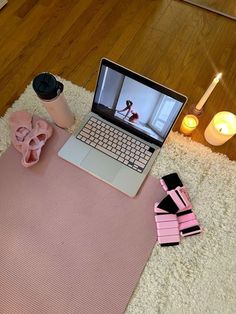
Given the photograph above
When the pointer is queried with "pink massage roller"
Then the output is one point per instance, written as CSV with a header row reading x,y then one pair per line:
x,y
188,223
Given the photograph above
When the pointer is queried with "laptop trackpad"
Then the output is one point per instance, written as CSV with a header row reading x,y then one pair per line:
x,y
101,165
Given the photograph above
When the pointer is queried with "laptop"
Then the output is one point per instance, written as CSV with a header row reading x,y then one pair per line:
x,y
130,119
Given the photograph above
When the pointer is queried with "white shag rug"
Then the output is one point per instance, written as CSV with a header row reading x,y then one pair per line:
x,y
199,275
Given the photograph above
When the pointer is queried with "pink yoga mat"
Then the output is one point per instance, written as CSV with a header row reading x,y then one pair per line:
x,y
69,243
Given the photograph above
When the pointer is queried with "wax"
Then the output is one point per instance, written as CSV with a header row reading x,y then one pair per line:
x,y
221,128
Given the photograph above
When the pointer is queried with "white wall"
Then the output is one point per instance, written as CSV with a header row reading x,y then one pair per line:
x,y
164,115
109,87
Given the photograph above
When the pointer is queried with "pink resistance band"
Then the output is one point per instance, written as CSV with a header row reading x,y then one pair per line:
x,y
188,223
167,227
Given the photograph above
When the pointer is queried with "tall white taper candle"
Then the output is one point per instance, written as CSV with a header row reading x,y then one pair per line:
x,y
208,92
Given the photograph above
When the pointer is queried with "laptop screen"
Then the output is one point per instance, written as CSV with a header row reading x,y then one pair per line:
x,y
135,103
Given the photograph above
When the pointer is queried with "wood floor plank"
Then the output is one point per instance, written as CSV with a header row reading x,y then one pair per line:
x,y
102,35
23,62
26,8
126,38
16,43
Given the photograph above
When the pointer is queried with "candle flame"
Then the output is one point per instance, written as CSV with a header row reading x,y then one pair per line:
x,y
218,77
223,128
190,121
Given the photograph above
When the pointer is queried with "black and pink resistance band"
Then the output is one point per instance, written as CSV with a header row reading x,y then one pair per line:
x,y
174,215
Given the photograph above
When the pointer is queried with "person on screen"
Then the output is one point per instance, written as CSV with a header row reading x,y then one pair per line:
x,y
134,118
128,107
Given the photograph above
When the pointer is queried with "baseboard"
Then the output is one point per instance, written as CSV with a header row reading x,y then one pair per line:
x,y
206,7
2,3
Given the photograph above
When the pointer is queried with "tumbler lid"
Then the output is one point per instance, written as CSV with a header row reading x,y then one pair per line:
x,y
46,86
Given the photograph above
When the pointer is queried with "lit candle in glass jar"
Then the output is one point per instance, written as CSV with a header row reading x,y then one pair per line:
x,y
189,124
221,128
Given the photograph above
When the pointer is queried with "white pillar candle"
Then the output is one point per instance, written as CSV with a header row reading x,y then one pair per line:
x,y
208,92
221,128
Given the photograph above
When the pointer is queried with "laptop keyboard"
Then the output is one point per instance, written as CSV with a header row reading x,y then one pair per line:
x,y
116,144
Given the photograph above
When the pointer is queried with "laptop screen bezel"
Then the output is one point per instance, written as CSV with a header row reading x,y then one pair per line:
x,y
146,81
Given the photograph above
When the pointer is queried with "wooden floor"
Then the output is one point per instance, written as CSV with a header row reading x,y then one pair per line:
x,y
174,43
227,7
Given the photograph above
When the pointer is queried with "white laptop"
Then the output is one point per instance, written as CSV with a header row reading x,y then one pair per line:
x,y
130,120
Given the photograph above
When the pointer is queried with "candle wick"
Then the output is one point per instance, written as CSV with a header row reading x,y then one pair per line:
x,y
220,130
